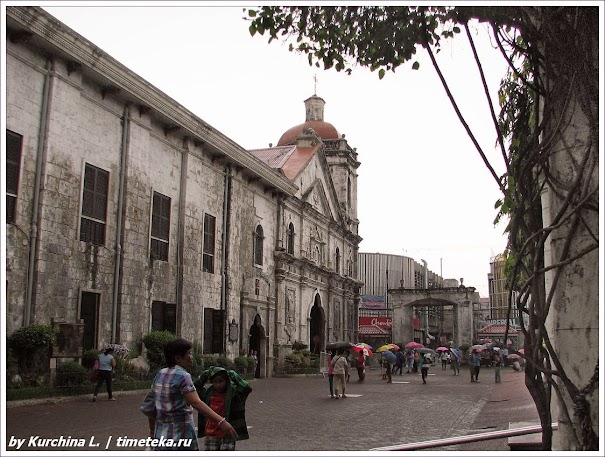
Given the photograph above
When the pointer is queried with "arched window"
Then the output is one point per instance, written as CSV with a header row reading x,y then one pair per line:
x,y
290,240
337,267
348,191
258,245
317,255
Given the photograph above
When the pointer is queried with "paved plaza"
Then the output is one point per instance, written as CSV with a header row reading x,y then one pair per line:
x,y
297,414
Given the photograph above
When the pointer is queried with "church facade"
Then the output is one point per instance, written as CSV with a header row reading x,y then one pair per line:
x,y
127,213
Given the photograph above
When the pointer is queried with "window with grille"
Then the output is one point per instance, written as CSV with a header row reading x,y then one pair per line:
x,y
13,167
160,227
209,242
290,241
258,245
213,330
337,260
94,205
163,317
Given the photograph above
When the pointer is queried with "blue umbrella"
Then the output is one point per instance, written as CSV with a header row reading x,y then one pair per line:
x,y
456,352
389,356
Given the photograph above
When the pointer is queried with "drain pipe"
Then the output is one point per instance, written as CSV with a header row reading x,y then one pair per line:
x,y
40,169
225,249
181,235
118,253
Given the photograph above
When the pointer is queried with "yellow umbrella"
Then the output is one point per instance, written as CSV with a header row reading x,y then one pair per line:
x,y
384,347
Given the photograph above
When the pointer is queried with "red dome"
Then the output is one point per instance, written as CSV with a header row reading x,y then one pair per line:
x,y
325,130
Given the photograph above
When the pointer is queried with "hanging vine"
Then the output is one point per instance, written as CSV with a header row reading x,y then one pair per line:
x,y
552,80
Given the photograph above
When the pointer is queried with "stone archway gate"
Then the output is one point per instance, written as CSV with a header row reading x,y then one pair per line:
x,y
403,301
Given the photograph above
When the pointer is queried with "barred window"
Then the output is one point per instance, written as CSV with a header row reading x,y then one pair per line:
x,y
163,317
13,167
258,245
209,242
290,241
214,323
160,227
94,205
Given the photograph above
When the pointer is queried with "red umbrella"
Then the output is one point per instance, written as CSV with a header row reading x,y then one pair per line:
x,y
414,345
521,351
393,346
513,356
359,348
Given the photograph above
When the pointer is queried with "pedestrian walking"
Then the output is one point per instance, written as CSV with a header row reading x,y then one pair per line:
x,y
226,395
497,364
410,361
389,370
444,360
398,362
423,363
341,371
416,359
175,397
331,373
107,363
361,366
475,364
455,363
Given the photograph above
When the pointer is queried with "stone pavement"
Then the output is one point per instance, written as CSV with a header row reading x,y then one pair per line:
x,y
297,414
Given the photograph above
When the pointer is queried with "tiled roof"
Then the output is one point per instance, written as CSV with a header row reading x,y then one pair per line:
x,y
325,130
372,330
498,329
274,157
291,159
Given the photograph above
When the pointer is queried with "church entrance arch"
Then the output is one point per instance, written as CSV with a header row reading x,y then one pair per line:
x,y
257,346
316,327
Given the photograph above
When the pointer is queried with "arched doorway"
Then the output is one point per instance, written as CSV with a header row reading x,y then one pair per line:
x,y
316,327
257,348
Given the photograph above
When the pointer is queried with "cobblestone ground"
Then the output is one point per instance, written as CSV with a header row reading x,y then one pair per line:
x,y
297,414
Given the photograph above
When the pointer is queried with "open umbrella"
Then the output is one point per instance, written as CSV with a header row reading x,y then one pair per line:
x,y
456,352
338,345
389,356
495,348
394,347
384,347
521,351
426,351
359,348
413,345
513,356
478,347
442,348
365,345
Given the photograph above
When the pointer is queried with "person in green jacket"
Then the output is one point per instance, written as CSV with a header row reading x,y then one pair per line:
x,y
226,395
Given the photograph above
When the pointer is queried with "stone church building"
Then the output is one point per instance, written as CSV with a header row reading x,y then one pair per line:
x,y
127,213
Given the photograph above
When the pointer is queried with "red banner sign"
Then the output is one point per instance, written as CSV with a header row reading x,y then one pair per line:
x,y
382,322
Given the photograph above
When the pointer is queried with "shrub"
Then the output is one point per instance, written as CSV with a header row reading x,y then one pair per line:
x,y
89,357
251,363
241,363
32,337
464,347
225,363
210,361
299,346
71,374
154,342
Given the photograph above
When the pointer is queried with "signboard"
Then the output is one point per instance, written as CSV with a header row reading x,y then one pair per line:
x,y
385,323
373,302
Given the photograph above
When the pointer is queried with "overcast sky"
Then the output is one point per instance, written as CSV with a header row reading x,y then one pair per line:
x,y
423,190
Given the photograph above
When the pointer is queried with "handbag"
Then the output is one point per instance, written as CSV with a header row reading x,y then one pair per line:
x,y
148,405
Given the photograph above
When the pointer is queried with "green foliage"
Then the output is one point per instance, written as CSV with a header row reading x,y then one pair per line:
x,y
89,357
224,362
241,362
380,38
71,374
154,342
32,337
251,363
464,347
299,346
210,360
294,359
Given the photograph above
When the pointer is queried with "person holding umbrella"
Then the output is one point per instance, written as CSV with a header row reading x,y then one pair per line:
x,y
455,361
341,370
423,364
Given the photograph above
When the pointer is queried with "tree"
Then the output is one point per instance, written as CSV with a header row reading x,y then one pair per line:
x,y
548,137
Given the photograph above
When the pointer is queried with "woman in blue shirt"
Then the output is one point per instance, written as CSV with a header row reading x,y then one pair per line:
x,y
106,365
